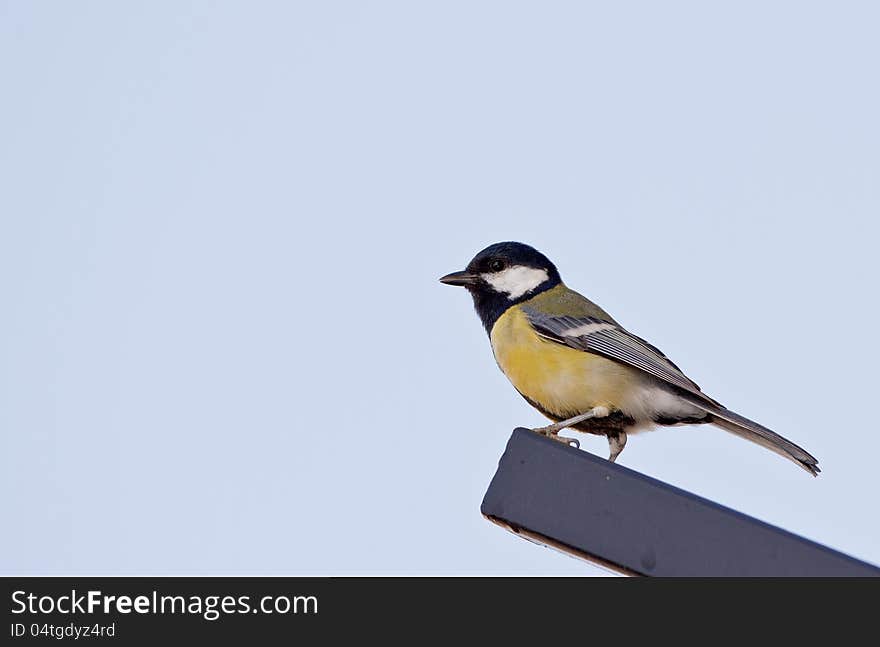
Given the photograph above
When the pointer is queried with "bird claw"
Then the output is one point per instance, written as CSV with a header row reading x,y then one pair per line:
x,y
553,434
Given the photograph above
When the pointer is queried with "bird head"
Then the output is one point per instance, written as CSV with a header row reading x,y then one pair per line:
x,y
502,275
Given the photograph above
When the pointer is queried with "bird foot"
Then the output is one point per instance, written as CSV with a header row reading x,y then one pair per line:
x,y
553,433
616,443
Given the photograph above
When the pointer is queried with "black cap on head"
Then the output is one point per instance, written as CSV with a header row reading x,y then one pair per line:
x,y
498,256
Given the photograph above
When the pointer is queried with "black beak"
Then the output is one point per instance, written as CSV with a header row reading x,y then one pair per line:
x,y
460,278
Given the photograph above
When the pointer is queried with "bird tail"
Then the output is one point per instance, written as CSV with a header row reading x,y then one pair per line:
x,y
751,430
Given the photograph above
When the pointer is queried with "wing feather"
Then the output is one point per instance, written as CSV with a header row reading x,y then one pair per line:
x,y
608,339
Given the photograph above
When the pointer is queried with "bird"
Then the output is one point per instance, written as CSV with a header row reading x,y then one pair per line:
x,y
579,367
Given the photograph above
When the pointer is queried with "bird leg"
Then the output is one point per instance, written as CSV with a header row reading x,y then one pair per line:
x,y
616,443
552,431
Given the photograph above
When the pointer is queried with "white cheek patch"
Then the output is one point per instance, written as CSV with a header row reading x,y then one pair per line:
x,y
517,280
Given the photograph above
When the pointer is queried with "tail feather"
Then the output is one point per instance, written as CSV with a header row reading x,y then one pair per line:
x,y
759,434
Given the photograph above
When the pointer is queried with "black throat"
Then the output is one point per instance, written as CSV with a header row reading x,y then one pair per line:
x,y
490,305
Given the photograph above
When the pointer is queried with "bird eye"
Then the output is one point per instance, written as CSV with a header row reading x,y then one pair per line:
x,y
496,265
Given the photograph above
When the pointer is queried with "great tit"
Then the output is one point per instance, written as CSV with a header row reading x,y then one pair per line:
x,y
576,365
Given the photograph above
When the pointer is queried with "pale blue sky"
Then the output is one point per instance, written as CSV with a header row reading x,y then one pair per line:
x,y
224,349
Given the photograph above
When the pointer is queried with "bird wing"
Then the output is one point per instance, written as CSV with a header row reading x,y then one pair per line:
x,y
608,339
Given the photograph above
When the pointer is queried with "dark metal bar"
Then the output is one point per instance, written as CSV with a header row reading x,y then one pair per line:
x,y
608,514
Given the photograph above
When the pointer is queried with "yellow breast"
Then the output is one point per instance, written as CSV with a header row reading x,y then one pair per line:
x,y
562,380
